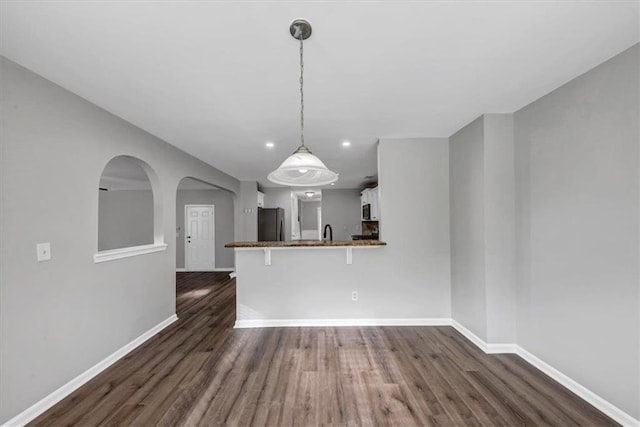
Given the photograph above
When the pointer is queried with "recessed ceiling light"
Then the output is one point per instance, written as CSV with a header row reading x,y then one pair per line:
x,y
269,144
333,183
346,143
309,193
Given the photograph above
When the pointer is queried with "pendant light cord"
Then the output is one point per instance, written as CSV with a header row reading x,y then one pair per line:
x,y
302,168
301,89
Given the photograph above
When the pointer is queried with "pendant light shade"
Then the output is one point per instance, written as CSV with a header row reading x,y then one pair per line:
x,y
302,168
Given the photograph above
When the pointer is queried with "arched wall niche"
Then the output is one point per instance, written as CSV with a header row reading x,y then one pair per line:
x,y
130,210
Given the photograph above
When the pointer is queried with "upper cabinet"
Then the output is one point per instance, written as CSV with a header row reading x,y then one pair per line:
x,y
369,196
373,201
364,196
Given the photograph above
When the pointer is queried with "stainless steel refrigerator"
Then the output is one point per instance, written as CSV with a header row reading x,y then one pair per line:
x,y
270,224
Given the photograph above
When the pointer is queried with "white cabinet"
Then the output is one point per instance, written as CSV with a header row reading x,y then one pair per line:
x,y
373,201
364,200
260,199
369,196
364,196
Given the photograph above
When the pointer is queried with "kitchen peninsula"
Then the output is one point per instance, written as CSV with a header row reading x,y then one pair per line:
x,y
305,282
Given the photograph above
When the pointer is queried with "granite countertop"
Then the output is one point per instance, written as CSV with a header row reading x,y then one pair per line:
x,y
305,243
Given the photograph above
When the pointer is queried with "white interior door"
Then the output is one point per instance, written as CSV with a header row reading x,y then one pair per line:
x,y
200,237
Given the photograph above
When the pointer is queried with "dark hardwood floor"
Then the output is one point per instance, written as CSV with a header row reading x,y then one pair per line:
x,y
201,372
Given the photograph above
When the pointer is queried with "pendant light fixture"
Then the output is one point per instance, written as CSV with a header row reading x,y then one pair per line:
x,y
302,168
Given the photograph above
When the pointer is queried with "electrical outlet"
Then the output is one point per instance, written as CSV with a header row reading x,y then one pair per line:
x,y
44,251
354,296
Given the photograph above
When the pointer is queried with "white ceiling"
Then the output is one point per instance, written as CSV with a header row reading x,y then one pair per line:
x,y
219,79
304,197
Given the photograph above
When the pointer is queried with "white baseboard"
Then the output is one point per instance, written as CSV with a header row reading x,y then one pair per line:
x,y
481,344
47,402
501,348
221,269
181,270
598,402
286,323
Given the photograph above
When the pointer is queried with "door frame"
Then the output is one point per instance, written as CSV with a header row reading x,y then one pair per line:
x,y
319,219
186,230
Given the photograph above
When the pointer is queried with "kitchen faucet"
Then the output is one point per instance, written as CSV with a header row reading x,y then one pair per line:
x,y
324,235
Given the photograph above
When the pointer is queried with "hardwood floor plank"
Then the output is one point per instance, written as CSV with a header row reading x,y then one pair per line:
x,y
576,408
201,372
515,385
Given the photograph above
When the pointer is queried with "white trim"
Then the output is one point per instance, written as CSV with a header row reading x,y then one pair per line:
x,y
584,393
48,401
268,249
181,269
598,402
479,342
286,323
306,247
113,254
184,270
502,348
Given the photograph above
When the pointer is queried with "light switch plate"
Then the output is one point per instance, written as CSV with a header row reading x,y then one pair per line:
x,y
44,251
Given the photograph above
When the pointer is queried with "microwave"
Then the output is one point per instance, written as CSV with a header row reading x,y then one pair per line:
x,y
366,212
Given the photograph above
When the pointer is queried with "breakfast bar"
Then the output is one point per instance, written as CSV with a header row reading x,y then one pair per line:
x,y
305,282
267,247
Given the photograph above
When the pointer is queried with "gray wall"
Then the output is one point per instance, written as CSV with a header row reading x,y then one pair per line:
x,y
247,212
499,226
415,224
280,198
310,215
483,228
341,209
125,219
58,318
468,287
577,230
224,222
